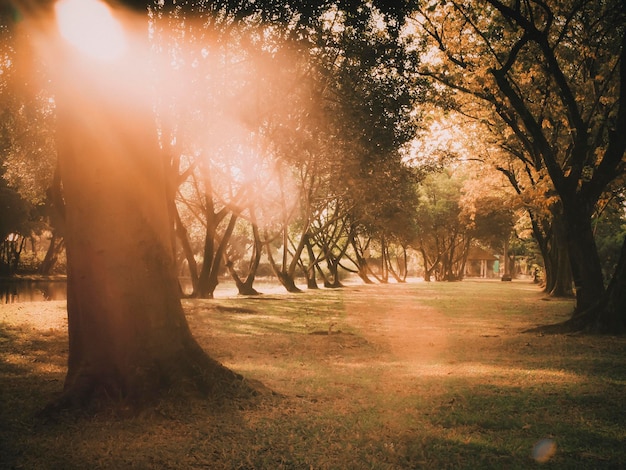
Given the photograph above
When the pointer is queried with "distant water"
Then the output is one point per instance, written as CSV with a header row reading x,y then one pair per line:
x,y
16,291
32,291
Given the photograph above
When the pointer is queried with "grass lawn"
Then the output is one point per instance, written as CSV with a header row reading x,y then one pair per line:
x,y
416,375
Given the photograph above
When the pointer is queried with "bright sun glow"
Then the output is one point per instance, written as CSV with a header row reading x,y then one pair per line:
x,y
89,26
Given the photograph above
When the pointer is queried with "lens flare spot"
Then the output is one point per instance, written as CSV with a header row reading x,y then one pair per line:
x,y
544,450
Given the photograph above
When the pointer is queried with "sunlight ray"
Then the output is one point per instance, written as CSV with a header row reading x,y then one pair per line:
x,y
89,25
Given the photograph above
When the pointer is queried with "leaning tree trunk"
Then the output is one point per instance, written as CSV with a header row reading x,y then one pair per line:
x,y
183,238
309,269
52,254
361,261
287,270
128,335
246,287
283,275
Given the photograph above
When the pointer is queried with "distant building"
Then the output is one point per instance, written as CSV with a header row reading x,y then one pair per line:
x,y
481,263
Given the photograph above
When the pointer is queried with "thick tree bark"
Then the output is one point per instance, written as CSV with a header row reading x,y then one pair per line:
x,y
556,259
612,317
128,335
583,254
607,315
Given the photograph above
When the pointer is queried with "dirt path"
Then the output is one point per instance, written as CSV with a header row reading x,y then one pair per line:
x,y
410,332
412,337
419,340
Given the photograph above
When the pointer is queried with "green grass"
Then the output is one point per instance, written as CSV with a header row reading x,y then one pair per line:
x,y
422,375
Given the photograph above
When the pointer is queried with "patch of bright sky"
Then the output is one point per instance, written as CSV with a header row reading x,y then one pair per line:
x,y
444,136
333,20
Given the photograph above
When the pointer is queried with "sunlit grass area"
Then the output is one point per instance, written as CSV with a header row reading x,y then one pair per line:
x,y
420,375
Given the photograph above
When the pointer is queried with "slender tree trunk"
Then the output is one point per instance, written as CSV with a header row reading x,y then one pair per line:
x,y
361,262
463,259
428,270
284,277
309,270
52,254
333,268
203,290
245,287
384,273
183,237
405,264
219,255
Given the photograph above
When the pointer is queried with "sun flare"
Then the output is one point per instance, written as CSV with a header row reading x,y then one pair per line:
x,y
89,26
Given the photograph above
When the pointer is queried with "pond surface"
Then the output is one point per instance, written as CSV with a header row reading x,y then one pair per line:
x,y
15,291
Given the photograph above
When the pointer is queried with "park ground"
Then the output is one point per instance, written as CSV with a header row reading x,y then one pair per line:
x,y
416,375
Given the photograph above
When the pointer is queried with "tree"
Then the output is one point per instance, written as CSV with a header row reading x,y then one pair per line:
x,y
555,74
545,214
28,155
245,282
128,336
610,228
442,238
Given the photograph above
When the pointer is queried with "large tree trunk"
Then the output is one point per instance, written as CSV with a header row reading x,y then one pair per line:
x,y
561,269
607,314
128,335
583,254
612,317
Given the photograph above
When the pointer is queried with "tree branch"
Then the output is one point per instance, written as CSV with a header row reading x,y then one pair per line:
x,y
541,39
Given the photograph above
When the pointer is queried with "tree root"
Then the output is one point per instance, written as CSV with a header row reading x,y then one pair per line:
x,y
580,322
194,376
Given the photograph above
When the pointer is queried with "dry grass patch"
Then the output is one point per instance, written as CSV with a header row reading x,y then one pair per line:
x,y
400,376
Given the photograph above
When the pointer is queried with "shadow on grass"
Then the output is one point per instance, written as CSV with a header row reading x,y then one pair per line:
x,y
32,368
586,422
480,398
